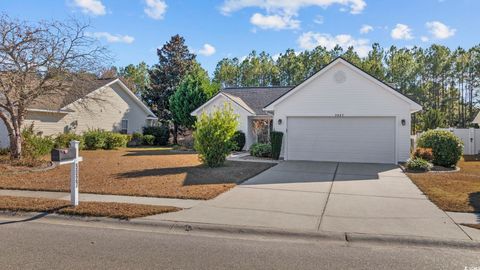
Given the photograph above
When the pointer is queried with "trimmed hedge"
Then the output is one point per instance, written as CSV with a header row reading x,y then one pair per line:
x,y
446,147
276,138
115,140
100,139
161,134
148,140
261,150
63,140
239,140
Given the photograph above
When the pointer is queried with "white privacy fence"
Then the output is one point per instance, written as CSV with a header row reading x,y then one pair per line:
x,y
469,136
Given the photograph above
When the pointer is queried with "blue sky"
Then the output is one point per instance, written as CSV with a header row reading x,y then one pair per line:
x,y
215,29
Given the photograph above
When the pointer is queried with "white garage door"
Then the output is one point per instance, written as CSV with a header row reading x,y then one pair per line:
x,y
346,139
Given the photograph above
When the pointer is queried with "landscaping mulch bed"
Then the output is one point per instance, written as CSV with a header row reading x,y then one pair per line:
x,y
152,172
453,191
96,209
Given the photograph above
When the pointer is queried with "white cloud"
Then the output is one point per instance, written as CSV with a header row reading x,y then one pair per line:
x,y
290,7
111,38
401,31
318,19
155,9
440,30
282,14
366,29
424,39
276,22
207,50
310,40
94,7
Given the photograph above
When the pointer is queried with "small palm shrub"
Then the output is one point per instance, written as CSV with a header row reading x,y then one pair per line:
x,y
239,140
148,140
213,135
424,153
446,147
418,165
261,150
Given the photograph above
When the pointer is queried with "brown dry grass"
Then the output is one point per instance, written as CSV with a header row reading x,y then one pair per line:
x,y
153,172
96,209
456,191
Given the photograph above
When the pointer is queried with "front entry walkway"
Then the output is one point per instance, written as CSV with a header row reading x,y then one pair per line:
x,y
327,196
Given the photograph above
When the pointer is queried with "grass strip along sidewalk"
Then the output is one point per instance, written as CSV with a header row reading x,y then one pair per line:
x,y
96,209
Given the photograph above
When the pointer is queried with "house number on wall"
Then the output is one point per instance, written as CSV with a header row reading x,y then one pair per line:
x,y
339,115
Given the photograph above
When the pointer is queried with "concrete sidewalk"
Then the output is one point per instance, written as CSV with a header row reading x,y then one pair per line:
x,y
330,197
102,198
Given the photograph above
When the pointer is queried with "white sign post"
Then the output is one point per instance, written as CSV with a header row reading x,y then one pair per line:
x,y
74,174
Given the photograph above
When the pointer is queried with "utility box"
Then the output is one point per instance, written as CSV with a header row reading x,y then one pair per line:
x,y
59,155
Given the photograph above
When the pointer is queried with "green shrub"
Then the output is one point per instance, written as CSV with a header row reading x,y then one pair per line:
x,y
261,150
63,140
136,139
161,134
423,153
213,135
418,165
149,140
276,138
446,147
239,140
94,139
35,146
115,140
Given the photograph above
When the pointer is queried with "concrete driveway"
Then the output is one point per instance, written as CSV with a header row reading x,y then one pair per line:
x,y
327,196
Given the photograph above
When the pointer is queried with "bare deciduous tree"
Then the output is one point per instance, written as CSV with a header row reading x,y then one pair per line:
x,y
41,61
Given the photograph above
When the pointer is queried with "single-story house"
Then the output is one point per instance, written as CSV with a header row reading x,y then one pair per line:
x,y
340,113
105,104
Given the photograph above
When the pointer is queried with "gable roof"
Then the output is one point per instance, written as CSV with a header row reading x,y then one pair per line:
x,y
256,98
414,107
59,103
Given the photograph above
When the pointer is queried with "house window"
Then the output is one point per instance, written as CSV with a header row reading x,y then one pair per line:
x,y
124,129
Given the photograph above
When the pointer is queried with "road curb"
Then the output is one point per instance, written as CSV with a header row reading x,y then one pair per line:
x,y
246,231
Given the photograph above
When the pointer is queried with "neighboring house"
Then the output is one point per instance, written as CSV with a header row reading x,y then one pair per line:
x,y
341,113
102,104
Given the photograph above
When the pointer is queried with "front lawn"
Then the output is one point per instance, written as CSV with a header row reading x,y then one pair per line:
x,y
96,209
153,172
455,191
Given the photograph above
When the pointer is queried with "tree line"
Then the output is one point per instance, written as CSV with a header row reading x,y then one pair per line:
x,y
445,82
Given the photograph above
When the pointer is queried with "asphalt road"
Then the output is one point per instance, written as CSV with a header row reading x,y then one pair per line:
x,y
44,244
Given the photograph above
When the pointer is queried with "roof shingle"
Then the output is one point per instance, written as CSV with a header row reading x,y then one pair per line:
x,y
257,97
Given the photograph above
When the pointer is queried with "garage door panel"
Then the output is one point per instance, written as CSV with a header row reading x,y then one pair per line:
x,y
349,139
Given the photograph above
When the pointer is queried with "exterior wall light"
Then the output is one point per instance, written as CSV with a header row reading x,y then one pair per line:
x,y
404,122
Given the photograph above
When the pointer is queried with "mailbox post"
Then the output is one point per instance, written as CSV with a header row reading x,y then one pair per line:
x,y
70,156
74,174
